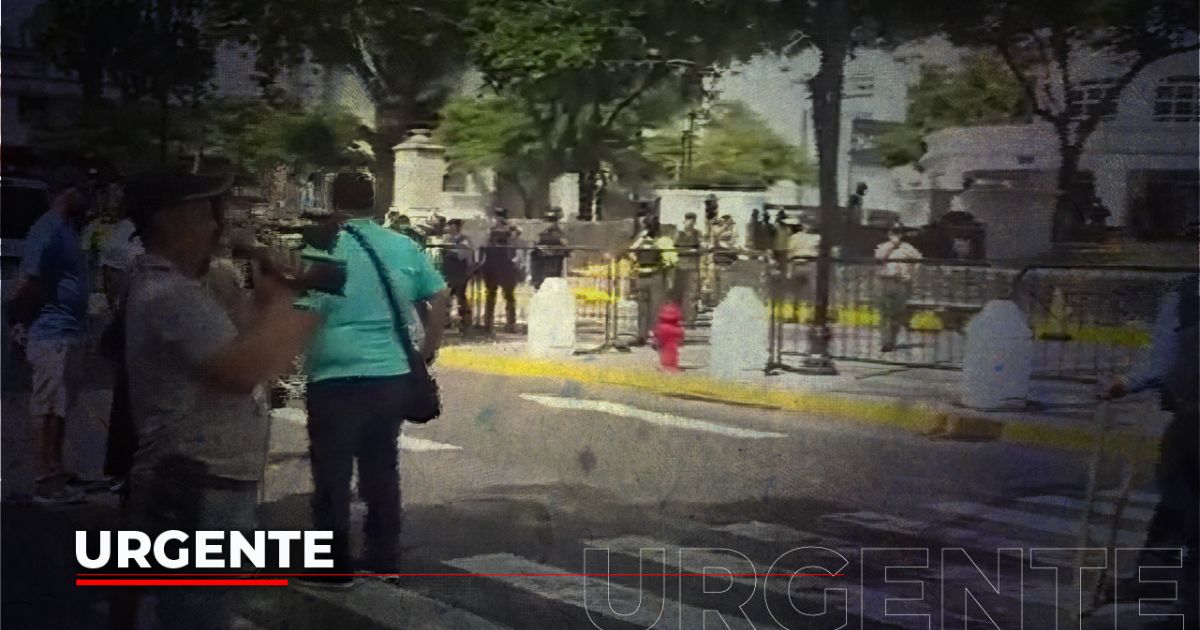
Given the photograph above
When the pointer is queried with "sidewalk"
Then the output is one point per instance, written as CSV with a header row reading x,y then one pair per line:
x,y
1059,414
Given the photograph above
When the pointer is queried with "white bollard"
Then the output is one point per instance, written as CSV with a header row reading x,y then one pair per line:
x,y
551,320
998,358
740,325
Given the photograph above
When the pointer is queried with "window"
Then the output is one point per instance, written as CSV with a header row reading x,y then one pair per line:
x,y
1177,99
1083,100
860,86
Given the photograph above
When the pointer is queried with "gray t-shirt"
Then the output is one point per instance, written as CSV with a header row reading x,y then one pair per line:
x,y
173,327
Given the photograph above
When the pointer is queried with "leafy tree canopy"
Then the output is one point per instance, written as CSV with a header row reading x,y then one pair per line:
x,y
735,148
982,92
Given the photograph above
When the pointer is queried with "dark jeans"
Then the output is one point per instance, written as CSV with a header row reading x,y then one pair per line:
x,y
458,292
651,294
510,303
178,494
893,308
687,291
349,419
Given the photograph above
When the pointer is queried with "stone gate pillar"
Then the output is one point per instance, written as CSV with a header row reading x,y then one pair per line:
x,y
420,167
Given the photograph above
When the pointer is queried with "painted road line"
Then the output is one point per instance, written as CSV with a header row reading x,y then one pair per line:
x,y
1100,507
1140,497
715,561
920,417
605,598
653,417
1033,521
769,533
394,608
406,442
416,444
881,522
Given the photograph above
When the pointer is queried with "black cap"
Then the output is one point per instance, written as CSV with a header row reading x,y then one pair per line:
x,y
148,193
689,215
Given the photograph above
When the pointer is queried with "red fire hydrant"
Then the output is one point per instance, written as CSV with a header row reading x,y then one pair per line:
x,y
668,336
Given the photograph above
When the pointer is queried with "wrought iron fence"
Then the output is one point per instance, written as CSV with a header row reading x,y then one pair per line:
x,y
1087,321
1091,321
900,312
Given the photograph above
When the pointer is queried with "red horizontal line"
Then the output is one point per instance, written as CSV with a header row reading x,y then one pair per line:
x,y
179,582
565,575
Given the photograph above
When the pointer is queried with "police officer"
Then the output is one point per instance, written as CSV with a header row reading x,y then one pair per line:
x,y
655,258
687,271
458,261
549,255
501,271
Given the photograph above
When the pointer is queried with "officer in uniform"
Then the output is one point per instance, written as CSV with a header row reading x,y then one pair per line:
x,y
687,271
458,262
655,257
501,271
548,257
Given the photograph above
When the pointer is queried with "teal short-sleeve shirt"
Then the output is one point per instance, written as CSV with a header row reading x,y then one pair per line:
x,y
358,338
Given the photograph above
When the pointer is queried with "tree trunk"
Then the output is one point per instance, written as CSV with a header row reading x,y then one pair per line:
x,y
1067,216
826,87
587,194
538,200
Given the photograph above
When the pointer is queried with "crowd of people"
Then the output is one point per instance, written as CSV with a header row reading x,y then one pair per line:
x,y
193,350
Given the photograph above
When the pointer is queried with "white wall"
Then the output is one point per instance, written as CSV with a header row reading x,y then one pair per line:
x,y
1132,140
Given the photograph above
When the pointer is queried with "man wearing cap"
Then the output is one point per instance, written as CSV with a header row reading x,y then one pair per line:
x,y
49,308
202,438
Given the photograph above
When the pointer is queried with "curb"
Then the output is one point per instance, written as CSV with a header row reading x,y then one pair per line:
x,y
931,420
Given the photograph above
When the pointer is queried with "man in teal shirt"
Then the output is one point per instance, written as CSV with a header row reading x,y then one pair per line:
x,y
358,384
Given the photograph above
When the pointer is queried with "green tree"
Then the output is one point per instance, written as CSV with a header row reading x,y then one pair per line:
x,y
982,92
1043,45
591,74
82,37
409,54
735,148
145,49
256,136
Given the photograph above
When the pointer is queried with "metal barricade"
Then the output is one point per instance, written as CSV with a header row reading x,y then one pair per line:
x,y
1092,321
910,313
496,294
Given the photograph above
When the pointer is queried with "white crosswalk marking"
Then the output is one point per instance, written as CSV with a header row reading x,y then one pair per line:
x,y
607,599
1140,497
393,607
406,442
765,532
710,561
1102,508
409,443
653,417
885,522
1034,521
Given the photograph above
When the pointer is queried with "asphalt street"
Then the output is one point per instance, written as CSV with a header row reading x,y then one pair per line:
x,y
521,476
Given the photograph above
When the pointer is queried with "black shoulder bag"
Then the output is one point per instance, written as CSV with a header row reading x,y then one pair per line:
x,y
423,398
